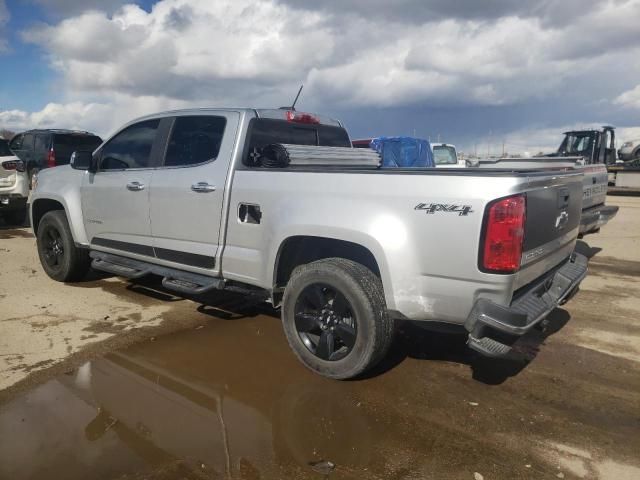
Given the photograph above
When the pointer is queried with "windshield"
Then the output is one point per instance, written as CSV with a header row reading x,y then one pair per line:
x,y
4,149
577,144
444,155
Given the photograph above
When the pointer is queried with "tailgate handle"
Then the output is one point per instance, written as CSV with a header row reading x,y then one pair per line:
x,y
563,197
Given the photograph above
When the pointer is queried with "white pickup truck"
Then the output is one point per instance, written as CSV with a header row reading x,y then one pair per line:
x,y
215,199
446,156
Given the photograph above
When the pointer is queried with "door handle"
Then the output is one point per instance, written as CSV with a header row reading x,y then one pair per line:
x,y
203,187
135,186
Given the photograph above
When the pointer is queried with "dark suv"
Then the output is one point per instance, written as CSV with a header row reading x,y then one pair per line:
x,y
40,149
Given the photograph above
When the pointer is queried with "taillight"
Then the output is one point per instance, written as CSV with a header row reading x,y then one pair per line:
x,y
17,165
504,235
51,158
299,117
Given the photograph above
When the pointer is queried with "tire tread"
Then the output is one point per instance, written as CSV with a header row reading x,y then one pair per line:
x,y
372,288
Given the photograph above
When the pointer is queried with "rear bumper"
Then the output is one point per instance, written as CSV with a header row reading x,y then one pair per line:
x,y
493,328
595,217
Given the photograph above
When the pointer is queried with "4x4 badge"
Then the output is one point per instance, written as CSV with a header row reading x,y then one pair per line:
x,y
430,208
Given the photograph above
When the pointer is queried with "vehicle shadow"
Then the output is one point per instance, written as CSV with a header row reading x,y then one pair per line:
x,y
585,249
14,231
413,341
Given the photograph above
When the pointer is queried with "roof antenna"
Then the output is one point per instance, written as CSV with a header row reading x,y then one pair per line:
x,y
293,106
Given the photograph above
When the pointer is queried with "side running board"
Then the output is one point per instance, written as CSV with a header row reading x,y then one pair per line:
x,y
177,280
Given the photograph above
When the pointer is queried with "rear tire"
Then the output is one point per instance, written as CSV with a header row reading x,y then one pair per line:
x,y
15,218
59,256
335,317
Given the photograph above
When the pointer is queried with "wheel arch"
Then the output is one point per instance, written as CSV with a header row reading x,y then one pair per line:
x,y
41,206
297,250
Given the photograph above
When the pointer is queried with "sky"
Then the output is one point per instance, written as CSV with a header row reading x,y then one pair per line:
x,y
476,74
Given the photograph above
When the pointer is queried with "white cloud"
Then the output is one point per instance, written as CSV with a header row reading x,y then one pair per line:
x,y
257,52
630,98
245,50
100,118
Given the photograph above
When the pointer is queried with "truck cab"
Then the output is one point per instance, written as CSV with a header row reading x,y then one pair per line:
x,y
595,146
277,204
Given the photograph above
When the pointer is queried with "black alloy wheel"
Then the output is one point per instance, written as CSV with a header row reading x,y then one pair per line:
x,y
53,247
60,257
335,317
325,322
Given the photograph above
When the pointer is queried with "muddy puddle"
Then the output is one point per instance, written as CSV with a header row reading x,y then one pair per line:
x,y
229,400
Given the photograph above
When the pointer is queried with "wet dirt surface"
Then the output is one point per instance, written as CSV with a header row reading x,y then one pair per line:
x,y
225,398
229,400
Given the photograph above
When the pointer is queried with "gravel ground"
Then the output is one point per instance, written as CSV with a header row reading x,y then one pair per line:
x,y
432,410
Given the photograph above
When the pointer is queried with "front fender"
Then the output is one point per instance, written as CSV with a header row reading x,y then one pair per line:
x,y
64,186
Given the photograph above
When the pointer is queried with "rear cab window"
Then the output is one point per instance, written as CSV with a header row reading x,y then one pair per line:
x,y
265,131
444,155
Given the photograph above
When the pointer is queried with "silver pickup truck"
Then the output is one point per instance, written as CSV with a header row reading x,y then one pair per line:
x,y
343,247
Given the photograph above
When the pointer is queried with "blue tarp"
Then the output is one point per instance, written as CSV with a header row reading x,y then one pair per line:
x,y
403,152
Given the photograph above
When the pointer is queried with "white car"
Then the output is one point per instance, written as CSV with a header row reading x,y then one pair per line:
x,y
14,186
445,156
629,150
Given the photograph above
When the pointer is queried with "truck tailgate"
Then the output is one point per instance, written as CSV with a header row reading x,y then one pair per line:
x,y
594,183
552,222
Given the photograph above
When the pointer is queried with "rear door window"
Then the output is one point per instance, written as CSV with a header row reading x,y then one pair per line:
x,y
194,140
27,141
130,148
42,143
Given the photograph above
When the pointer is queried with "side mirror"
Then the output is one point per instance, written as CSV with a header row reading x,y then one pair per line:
x,y
82,161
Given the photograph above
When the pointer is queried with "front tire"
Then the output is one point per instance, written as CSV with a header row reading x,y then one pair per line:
x,y
59,256
335,317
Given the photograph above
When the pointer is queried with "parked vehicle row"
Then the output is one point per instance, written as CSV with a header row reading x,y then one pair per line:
x,y
39,149
630,151
344,248
586,150
14,186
